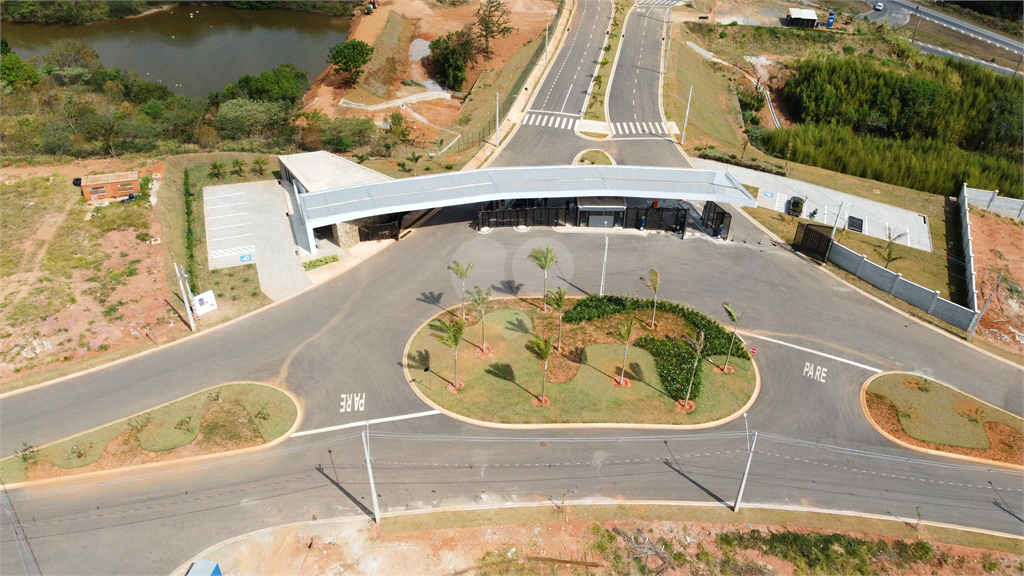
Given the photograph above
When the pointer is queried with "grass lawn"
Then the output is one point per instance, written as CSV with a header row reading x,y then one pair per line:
x,y
595,107
501,385
592,157
24,205
222,414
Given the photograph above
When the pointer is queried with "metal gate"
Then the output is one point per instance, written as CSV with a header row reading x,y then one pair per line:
x,y
522,217
669,219
812,239
385,231
716,220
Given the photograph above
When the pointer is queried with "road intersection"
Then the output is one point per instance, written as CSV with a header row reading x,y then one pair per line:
x,y
347,337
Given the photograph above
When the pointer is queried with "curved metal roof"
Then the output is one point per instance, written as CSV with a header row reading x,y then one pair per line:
x,y
478,186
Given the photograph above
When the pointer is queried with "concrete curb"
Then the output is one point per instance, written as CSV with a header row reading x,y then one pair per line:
x,y
601,502
300,413
591,426
582,152
976,460
615,62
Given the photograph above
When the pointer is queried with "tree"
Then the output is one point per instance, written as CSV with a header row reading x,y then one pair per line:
x,y
350,57
217,170
285,83
480,298
5,48
451,54
557,300
697,345
238,167
624,333
71,54
544,259
462,272
493,18
14,69
654,283
243,118
451,336
542,348
888,254
732,339
259,164
414,158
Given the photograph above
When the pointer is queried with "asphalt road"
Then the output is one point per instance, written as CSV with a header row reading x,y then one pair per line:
x,y
348,335
956,24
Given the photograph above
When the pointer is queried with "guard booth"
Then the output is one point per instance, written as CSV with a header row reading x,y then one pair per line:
x,y
600,212
716,220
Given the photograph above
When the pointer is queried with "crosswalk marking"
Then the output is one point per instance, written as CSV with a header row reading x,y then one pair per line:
x,y
658,2
619,128
550,120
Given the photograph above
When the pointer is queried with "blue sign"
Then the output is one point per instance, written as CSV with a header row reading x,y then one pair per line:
x,y
246,258
768,194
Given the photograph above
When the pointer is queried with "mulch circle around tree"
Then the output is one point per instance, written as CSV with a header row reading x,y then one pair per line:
x,y
538,403
487,352
623,382
729,370
686,407
454,388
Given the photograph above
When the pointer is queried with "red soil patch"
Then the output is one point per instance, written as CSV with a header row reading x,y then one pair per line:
x,y
997,247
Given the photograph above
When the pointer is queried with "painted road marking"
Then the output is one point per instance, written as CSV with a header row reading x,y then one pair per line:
x,y
837,358
557,120
353,402
232,251
366,422
815,372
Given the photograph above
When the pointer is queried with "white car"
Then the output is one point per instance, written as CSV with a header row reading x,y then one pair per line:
x,y
879,7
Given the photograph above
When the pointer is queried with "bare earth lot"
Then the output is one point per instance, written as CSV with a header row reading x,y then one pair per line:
x,y
997,248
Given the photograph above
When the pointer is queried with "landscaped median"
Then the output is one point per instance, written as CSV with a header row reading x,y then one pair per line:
x,y
224,418
599,90
928,416
505,381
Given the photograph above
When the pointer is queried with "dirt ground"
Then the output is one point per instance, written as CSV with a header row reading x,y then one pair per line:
x,y
996,242
552,548
431,20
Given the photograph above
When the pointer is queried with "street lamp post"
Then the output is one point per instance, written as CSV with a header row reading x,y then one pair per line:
x,y
686,119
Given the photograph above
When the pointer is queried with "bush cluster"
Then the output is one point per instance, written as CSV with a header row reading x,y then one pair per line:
x,y
732,159
675,365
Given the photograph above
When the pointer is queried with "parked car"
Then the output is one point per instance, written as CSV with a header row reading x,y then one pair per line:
x,y
879,7
795,207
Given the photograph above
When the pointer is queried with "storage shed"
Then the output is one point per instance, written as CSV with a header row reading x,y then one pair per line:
x,y
802,18
110,187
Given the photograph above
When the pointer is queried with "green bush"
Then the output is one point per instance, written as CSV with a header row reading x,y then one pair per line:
x,y
318,262
675,365
731,159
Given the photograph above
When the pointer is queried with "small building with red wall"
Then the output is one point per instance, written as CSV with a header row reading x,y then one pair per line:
x,y
110,187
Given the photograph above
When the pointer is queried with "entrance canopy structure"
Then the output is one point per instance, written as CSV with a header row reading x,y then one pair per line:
x,y
343,204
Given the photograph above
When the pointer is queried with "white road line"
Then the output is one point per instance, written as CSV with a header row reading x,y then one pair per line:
x,y
226,205
851,362
663,128
228,226
565,123
575,124
366,422
226,216
228,237
208,197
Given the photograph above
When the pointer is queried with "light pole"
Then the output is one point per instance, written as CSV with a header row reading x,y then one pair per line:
x,y
832,236
604,265
747,428
916,10
686,119
746,471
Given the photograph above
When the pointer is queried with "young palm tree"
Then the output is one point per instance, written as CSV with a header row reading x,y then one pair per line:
x,y
544,259
259,164
542,349
238,167
624,333
451,337
217,170
414,158
557,300
888,254
462,272
736,323
697,345
480,298
654,283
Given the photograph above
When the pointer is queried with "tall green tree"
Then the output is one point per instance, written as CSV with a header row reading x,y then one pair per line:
x,y
217,170
544,259
653,284
624,334
493,19
462,272
350,57
14,69
696,344
451,336
542,349
451,54
556,298
735,319
480,298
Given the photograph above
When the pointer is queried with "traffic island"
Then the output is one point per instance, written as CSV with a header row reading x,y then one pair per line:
x,y
506,382
931,417
228,417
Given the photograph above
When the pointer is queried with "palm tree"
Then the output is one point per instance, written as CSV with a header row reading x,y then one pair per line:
x,y
624,333
544,259
736,322
542,349
238,167
480,298
451,336
557,300
462,272
259,164
654,283
217,170
414,158
697,345
888,253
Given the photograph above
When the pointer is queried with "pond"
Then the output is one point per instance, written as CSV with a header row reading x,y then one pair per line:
x,y
196,50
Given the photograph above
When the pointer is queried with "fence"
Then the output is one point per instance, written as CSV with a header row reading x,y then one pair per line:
x,y
965,239
668,219
991,200
505,106
385,231
813,239
522,217
716,219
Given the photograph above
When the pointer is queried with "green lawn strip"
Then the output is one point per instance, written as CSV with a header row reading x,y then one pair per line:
x,y
595,107
168,427
500,387
941,414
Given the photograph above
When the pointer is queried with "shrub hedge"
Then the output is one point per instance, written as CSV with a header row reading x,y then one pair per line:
x,y
675,364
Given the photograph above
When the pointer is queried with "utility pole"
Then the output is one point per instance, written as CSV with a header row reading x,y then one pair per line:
x,y
743,483
832,236
977,320
604,265
185,297
916,10
497,121
686,119
1017,67
373,487
546,44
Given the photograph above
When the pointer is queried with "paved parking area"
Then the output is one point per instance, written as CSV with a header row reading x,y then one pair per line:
x,y
248,224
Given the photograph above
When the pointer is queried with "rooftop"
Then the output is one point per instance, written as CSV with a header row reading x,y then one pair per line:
x,y
802,14
319,171
93,179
